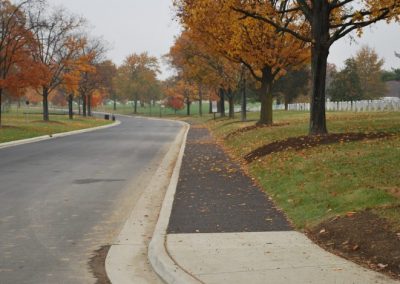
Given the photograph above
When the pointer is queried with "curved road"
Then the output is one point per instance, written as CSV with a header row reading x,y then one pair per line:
x,y
62,199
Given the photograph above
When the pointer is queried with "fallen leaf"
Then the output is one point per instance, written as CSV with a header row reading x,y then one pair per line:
x,y
350,214
382,266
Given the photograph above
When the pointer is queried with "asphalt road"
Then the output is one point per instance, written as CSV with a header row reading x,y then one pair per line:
x,y
62,199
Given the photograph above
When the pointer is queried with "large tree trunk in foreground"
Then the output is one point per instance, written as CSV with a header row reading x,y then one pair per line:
x,y
45,94
210,107
70,104
266,114
320,52
135,106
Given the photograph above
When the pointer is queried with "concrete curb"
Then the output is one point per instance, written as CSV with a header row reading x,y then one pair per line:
x,y
58,135
160,259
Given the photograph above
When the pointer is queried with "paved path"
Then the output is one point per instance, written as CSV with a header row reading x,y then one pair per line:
x,y
214,196
62,199
223,229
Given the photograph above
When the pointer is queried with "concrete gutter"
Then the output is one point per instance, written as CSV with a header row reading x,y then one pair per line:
x,y
58,135
163,264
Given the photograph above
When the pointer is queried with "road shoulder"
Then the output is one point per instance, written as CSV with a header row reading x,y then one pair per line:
x,y
127,260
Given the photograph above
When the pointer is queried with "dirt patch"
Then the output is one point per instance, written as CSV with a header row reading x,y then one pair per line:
x,y
305,142
97,265
364,238
252,127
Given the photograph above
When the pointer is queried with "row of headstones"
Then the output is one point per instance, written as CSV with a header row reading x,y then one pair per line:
x,y
356,106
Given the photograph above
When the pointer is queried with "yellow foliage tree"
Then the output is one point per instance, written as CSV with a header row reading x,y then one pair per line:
x,y
319,23
244,40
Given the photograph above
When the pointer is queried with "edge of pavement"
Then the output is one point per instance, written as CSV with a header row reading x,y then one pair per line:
x,y
53,136
131,245
162,262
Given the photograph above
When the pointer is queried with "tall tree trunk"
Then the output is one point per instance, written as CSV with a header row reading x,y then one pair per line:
x,y
84,105
210,107
244,99
188,103
150,104
115,103
45,94
135,106
231,108
1,106
79,106
319,57
231,104
286,105
89,105
70,104
222,101
266,115
200,100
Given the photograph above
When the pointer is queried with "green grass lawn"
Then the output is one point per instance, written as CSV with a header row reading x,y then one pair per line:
x,y
315,184
18,126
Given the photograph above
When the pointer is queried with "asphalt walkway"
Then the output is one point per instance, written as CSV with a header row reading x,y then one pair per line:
x,y
223,229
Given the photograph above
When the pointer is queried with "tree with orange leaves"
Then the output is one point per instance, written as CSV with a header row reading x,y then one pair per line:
x,y
17,69
209,70
72,77
319,23
256,45
137,78
93,51
57,46
172,100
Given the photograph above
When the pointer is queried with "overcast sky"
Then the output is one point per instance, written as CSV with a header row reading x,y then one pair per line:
x,y
134,26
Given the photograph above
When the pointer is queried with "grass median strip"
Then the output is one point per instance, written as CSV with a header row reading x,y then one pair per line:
x,y
17,126
325,184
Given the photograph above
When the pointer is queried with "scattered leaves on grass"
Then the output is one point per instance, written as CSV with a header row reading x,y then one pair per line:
x,y
304,142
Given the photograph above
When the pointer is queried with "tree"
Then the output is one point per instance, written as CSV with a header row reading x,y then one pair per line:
x,y
203,67
173,100
293,84
346,84
81,64
57,46
266,53
107,71
369,69
91,80
137,78
17,71
393,75
320,23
